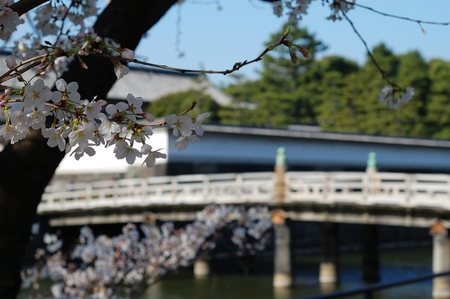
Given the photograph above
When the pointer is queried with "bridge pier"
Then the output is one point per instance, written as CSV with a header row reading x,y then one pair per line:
x,y
201,268
441,261
280,170
329,267
370,257
282,277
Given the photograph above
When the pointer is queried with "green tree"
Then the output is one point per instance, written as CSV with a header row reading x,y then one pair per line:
x,y
357,107
438,108
280,97
377,117
336,92
413,71
351,102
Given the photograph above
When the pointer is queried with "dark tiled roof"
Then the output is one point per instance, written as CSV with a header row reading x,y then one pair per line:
x,y
321,135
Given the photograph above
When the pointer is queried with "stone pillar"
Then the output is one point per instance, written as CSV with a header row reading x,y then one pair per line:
x,y
282,277
370,258
371,163
329,267
280,170
201,268
441,261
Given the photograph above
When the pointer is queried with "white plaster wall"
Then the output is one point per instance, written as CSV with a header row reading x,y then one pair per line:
x,y
104,160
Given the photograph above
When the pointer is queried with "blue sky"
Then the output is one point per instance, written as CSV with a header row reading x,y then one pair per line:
x,y
216,39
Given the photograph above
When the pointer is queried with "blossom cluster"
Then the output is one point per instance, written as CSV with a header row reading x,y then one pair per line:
x,y
81,124
250,234
60,19
50,18
388,96
296,8
9,19
103,267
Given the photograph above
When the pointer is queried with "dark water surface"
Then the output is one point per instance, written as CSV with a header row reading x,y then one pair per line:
x,y
396,264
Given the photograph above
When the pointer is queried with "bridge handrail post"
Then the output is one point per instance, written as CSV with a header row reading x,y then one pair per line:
x,y
116,194
326,186
88,195
143,190
409,190
365,186
205,187
239,185
174,188
280,173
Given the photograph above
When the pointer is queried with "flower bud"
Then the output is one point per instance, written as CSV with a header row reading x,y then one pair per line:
x,y
304,52
286,32
10,61
294,57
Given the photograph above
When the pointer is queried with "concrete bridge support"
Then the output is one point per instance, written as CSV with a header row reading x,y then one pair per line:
x,y
329,267
441,261
282,277
370,257
201,268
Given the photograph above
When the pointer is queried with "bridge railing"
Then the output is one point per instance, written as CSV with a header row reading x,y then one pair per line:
x,y
184,189
392,189
387,189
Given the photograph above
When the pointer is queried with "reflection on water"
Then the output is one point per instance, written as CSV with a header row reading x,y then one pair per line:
x,y
395,265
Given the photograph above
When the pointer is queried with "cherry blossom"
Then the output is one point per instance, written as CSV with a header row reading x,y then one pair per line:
x,y
54,138
8,132
150,160
37,94
20,122
389,96
82,135
295,9
10,61
92,110
111,267
198,122
123,150
182,142
80,151
66,91
120,70
107,128
126,53
9,20
182,125
37,119
142,134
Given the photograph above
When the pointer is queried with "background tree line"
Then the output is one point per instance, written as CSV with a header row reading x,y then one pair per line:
x,y
333,92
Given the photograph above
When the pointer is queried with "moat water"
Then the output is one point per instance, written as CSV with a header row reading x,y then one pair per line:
x,y
396,264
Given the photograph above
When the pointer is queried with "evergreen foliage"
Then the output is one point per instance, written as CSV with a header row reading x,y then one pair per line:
x,y
340,95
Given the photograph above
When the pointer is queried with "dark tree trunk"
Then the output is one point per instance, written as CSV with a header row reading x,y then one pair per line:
x,y
29,165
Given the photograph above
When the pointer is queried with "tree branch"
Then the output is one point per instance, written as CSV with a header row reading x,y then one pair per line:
x,y
25,6
398,17
382,72
29,165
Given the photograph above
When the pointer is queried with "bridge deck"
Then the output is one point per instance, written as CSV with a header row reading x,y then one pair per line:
x,y
394,191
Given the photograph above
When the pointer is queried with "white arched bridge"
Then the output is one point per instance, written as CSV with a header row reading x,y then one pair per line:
x,y
386,198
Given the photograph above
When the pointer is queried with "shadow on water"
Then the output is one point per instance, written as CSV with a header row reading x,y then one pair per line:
x,y
396,264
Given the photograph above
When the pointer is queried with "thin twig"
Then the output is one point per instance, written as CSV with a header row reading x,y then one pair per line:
x,y
383,73
194,103
14,71
237,66
398,17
